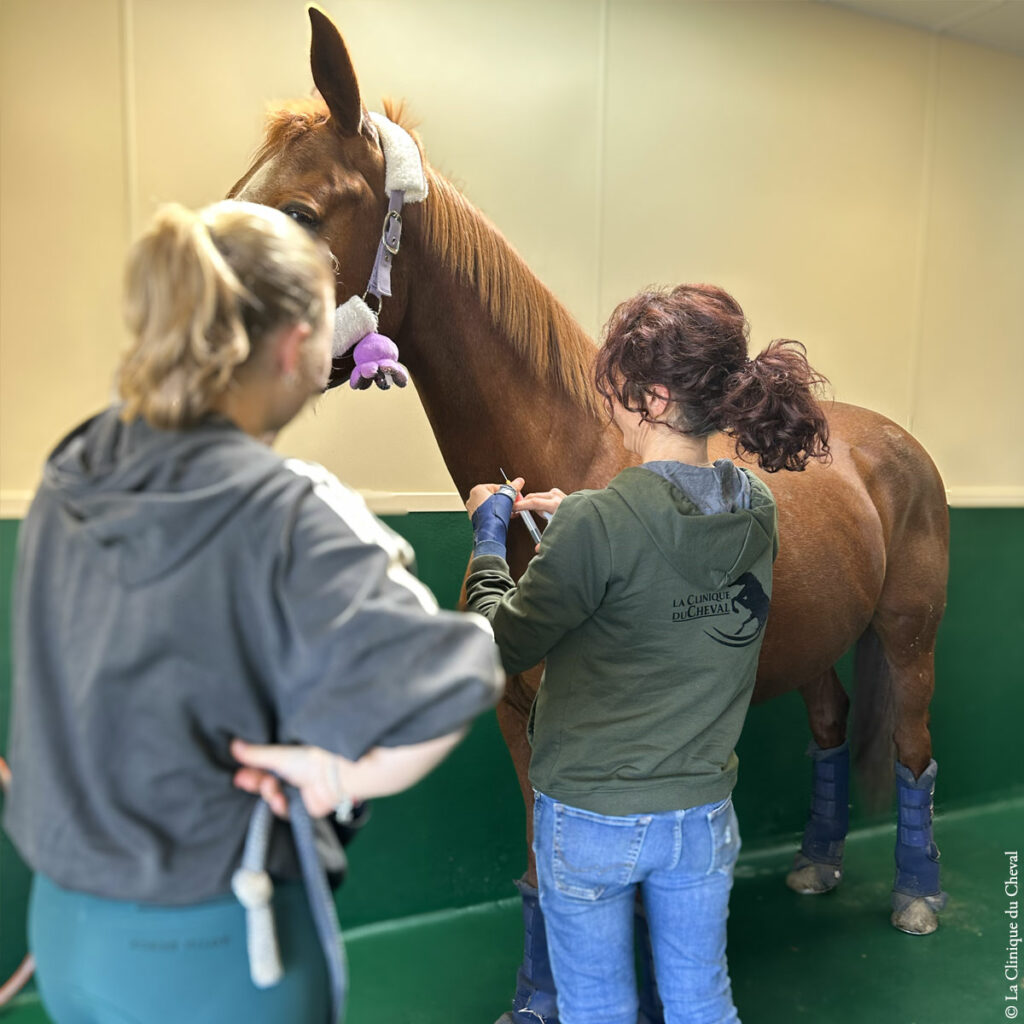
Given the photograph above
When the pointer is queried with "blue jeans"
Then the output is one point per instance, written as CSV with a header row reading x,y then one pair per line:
x,y
589,868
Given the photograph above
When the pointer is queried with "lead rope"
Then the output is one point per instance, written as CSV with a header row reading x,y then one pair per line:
x,y
321,903
254,889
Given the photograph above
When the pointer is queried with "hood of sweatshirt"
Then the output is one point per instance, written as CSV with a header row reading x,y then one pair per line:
x,y
710,550
148,499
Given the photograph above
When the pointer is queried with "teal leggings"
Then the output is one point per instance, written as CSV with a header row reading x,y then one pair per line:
x,y
104,961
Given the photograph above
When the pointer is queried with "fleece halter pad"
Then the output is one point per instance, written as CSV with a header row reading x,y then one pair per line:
x,y
403,167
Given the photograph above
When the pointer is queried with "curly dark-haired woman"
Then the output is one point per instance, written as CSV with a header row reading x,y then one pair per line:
x,y
648,600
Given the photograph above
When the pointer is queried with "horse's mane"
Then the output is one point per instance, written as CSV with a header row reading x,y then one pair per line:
x,y
540,328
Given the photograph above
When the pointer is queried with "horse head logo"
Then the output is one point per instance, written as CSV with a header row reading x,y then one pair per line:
x,y
752,599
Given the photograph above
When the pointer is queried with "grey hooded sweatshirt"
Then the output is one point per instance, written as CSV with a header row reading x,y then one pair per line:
x,y
650,614
174,590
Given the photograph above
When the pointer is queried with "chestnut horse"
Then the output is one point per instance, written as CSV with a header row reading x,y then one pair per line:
x,y
863,541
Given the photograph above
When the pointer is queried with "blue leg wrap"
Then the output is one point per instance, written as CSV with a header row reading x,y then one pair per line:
x,y
829,820
917,856
534,1001
651,1009
490,523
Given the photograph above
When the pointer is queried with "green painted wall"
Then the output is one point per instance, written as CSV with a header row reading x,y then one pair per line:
x,y
456,838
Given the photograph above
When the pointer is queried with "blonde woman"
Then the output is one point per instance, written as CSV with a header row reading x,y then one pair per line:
x,y
179,585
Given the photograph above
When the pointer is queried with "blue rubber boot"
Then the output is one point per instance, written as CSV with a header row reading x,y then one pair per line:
x,y
534,1001
819,864
917,895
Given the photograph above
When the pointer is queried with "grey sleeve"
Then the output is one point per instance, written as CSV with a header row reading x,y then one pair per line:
x,y
365,658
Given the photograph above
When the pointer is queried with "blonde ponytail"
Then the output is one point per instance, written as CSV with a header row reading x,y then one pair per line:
x,y
201,290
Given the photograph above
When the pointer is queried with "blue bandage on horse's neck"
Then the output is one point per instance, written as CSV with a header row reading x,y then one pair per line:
x,y
490,523
829,819
917,856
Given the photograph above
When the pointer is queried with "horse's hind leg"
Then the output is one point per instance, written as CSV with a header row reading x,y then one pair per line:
x,y
917,894
896,671
819,864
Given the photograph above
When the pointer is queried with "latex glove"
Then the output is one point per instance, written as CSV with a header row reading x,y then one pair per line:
x,y
479,494
490,517
541,501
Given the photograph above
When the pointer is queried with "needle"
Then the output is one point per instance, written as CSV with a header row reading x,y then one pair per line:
x,y
527,519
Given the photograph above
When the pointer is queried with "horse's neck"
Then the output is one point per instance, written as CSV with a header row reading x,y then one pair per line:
x,y
488,403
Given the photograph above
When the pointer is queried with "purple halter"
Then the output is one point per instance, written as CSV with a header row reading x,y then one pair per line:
x,y
355,322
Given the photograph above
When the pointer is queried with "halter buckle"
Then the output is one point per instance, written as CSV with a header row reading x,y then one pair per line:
x,y
391,234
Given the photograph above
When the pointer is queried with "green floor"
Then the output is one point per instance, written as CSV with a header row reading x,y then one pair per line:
x,y
831,959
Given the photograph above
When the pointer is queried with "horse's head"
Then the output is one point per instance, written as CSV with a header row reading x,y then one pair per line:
x,y
322,164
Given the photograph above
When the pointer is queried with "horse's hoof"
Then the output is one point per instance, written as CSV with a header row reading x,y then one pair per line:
x,y
810,878
916,918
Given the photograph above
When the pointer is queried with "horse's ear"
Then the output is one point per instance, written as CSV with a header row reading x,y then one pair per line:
x,y
333,74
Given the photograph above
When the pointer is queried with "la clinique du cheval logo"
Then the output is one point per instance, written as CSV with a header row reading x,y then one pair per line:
x,y
745,596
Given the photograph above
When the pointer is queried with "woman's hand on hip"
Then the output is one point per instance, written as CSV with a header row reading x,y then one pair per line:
x,y
328,780
317,774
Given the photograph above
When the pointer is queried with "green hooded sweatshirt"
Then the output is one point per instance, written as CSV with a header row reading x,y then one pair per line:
x,y
650,616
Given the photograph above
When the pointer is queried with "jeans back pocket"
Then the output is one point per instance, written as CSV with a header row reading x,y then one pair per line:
x,y
725,837
593,852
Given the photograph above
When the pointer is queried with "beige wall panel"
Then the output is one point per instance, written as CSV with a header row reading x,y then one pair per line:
x,y
968,406
62,225
850,180
201,75
495,90
775,149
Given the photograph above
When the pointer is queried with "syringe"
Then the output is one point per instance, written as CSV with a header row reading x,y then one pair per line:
x,y
527,519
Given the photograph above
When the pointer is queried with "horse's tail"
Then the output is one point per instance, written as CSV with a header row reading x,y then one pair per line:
x,y
874,719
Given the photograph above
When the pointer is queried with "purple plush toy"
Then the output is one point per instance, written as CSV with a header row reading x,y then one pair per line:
x,y
377,362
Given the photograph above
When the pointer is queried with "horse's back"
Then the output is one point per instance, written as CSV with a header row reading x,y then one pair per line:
x,y
867,529
908,494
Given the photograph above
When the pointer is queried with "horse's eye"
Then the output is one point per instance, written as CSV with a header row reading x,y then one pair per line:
x,y
302,215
